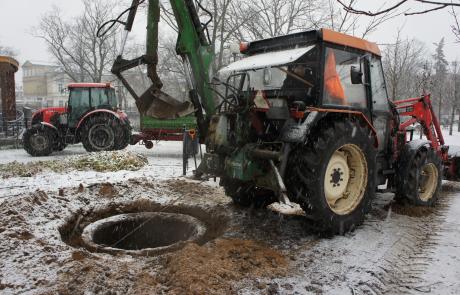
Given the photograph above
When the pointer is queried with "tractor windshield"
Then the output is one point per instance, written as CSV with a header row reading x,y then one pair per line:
x,y
288,75
103,98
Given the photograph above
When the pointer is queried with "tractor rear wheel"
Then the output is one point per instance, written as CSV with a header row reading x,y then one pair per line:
x,y
247,194
38,141
333,176
122,136
422,181
98,133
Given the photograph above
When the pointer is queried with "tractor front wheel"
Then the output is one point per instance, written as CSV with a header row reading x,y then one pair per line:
x,y
38,141
98,133
420,183
333,176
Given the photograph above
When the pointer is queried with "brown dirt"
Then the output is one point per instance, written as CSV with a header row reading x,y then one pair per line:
x,y
411,211
191,189
107,190
216,267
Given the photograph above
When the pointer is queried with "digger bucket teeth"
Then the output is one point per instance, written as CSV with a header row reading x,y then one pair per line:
x,y
157,104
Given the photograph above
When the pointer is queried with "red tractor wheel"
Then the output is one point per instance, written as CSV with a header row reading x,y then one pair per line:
x,y
38,141
99,133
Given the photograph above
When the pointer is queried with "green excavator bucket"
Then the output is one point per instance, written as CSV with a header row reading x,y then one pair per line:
x,y
157,104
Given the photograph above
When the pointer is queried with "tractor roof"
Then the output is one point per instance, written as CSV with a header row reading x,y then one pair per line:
x,y
350,41
90,85
309,38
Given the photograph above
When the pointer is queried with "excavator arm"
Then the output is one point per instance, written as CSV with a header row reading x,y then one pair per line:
x,y
194,49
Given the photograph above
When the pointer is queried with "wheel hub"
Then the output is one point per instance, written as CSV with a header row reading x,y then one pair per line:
x,y
338,174
345,179
38,141
337,177
100,137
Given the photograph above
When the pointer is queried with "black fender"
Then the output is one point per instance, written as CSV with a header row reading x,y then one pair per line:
x,y
407,156
293,132
120,117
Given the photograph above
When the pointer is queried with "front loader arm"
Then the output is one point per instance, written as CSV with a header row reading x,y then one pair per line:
x,y
196,53
420,110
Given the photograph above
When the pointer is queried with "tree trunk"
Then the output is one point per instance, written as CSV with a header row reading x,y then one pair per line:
x,y
440,106
454,108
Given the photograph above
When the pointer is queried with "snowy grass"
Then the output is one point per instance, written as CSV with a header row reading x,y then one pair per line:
x,y
100,162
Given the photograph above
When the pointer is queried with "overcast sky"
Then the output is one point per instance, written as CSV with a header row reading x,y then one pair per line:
x,y
17,17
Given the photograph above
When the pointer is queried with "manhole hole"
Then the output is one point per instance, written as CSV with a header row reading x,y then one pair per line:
x,y
142,233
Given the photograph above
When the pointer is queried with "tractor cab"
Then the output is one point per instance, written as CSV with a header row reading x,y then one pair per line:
x,y
315,69
87,97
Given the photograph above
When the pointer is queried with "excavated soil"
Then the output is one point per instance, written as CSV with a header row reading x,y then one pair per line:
x,y
244,251
411,211
215,267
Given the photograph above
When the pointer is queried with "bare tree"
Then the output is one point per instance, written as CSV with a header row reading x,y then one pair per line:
x,y
440,67
224,19
431,6
75,45
344,21
456,25
455,95
405,65
271,18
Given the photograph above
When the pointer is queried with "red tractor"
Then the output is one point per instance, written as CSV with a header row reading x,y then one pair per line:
x,y
91,117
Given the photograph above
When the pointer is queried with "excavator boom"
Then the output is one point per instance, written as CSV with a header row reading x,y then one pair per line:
x,y
196,53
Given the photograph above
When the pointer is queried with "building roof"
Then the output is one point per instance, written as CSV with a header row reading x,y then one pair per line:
x,y
29,63
9,60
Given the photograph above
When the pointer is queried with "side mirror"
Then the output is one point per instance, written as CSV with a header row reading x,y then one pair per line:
x,y
356,76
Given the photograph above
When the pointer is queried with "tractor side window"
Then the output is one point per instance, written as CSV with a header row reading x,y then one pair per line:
x,y
338,88
379,91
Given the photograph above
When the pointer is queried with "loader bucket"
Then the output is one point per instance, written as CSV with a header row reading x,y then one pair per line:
x,y
157,104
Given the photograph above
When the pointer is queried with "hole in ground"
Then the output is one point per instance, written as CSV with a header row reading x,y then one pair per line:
x,y
152,232
215,220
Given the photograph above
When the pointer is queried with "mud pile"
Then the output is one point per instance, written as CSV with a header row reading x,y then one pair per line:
x,y
216,267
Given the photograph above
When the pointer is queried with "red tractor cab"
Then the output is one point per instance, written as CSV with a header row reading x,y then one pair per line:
x,y
91,117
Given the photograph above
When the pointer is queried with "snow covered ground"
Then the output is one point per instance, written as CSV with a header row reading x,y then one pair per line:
x,y
396,251
165,162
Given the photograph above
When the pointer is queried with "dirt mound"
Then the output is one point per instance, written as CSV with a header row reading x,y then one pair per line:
x,y
214,268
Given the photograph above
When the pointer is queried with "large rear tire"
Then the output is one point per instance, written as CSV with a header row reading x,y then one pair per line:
x,y
122,136
420,181
98,133
333,176
38,141
247,194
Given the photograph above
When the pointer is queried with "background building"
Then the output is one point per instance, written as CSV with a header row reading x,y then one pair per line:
x,y
44,85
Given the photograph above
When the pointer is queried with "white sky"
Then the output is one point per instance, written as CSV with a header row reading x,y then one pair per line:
x,y
17,17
